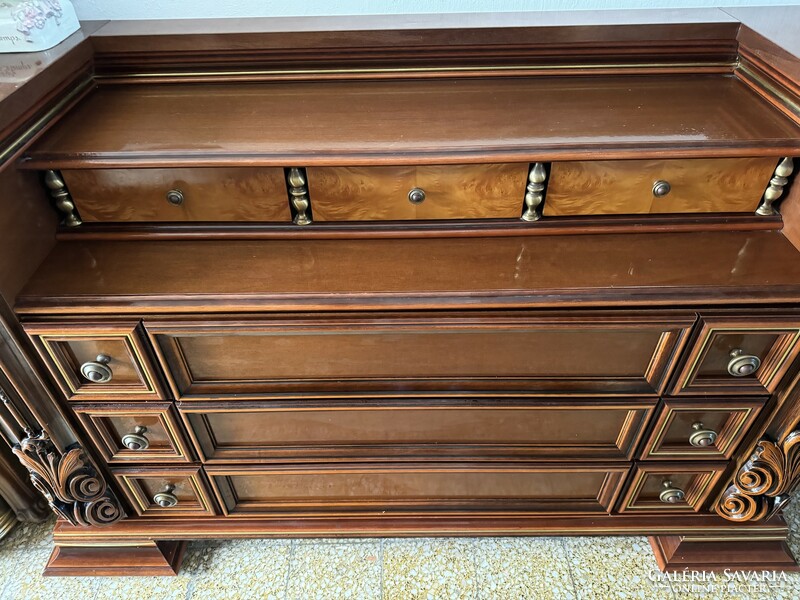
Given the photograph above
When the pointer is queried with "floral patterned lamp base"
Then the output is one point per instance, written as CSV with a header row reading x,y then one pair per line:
x,y
34,25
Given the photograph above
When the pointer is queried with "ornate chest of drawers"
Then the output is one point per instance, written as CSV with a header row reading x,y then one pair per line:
x,y
447,291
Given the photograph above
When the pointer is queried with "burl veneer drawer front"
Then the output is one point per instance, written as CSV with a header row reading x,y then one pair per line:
x,y
739,355
707,429
508,351
657,186
166,491
98,361
417,192
135,432
671,487
590,429
194,194
245,491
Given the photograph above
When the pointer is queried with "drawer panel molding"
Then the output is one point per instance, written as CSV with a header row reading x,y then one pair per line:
x,y
412,488
671,487
426,429
137,433
174,491
499,352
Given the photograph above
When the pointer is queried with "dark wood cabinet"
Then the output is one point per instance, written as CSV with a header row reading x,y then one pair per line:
x,y
503,280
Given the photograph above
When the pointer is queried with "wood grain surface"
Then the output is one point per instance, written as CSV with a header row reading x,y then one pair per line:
x,y
626,187
139,195
416,121
451,192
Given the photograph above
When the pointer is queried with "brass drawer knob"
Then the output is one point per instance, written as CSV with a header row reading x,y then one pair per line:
x,y
166,499
175,197
741,364
661,188
98,371
702,437
671,495
136,440
416,195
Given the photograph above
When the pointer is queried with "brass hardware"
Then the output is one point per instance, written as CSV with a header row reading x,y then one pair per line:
x,y
775,188
166,499
298,195
702,437
175,197
416,195
671,495
59,193
98,371
742,365
661,188
136,440
534,192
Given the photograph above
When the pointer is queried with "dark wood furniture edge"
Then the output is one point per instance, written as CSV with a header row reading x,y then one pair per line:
x,y
146,558
728,552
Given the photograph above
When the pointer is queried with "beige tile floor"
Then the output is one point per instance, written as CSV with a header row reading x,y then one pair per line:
x,y
396,569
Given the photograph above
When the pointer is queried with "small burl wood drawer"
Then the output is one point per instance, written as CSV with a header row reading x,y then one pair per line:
x,y
135,432
536,353
417,192
671,487
739,355
593,428
166,491
98,361
690,429
381,489
657,186
173,195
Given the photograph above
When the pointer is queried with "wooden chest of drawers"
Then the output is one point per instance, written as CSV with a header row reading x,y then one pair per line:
x,y
435,298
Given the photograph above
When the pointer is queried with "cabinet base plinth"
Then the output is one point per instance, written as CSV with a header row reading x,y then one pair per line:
x,y
149,558
718,553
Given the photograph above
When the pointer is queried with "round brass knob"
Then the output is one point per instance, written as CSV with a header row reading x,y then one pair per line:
x,y
702,437
166,499
661,188
175,197
136,440
416,195
741,364
98,371
671,495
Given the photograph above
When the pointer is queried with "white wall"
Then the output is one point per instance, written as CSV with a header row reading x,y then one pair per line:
x,y
176,9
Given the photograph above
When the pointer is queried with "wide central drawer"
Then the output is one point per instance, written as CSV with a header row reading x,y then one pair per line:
x,y
247,491
425,429
595,353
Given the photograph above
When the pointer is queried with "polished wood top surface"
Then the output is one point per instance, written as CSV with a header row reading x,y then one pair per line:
x,y
426,121
228,275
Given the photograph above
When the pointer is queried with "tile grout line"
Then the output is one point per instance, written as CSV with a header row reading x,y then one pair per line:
x,y
292,544
380,591
474,552
565,553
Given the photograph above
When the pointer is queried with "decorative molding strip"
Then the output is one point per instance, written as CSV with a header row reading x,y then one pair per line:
x,y
298,195
58,190
775,189
72,486
534,192
765,483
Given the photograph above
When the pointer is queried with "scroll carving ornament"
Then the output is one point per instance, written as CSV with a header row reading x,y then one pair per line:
x,y
765,483
73,488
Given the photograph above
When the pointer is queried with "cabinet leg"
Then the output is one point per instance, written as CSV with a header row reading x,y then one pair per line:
x,y
737,552
145,558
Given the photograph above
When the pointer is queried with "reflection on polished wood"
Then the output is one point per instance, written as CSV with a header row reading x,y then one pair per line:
x,y
451,192
135,195
548,270
435,120
626,187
